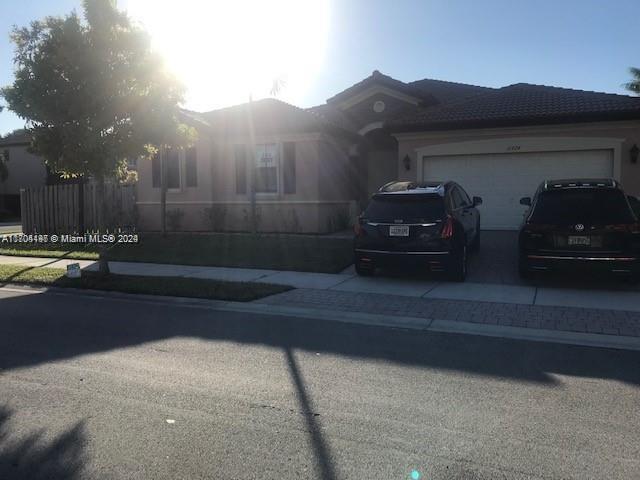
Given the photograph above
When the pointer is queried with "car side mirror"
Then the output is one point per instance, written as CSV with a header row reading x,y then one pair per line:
x,y
525,201
477,201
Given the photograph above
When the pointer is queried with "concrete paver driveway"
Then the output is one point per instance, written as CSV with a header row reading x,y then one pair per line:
x,y
497,260
497,264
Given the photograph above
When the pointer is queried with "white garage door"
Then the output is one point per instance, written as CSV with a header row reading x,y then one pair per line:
x,y
502,179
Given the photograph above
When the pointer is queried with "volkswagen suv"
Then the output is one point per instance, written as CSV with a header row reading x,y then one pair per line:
x,y
573,224
430,226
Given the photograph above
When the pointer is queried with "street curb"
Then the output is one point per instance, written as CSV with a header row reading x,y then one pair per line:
x,y
390,321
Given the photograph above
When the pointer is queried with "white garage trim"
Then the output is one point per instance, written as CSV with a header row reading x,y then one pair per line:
x,y
522,145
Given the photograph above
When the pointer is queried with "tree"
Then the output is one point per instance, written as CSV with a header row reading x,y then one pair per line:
x,y
4,168
93,92
634,85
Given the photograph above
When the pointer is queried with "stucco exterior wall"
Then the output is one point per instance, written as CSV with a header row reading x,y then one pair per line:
x,y
336,171
382,168
25,171
216,205
626,133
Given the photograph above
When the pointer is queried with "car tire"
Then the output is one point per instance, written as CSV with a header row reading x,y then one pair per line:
x,y
365,270
458,268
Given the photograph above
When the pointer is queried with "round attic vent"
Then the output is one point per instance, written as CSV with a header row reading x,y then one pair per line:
x,y
379,106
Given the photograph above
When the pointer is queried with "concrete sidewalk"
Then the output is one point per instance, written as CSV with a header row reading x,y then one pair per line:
x,y
565,325
10,227
348,281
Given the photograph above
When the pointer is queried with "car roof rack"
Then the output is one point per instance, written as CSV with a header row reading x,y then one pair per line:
x,y
581,183
397,187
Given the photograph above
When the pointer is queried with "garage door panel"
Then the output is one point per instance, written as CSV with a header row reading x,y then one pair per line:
x,y
502,179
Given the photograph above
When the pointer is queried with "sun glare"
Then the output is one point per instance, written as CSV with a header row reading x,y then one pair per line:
x,y
225,51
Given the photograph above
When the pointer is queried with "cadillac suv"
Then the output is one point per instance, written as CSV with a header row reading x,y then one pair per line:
x,y
431,226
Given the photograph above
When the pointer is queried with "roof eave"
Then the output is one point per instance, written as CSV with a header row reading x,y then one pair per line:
x,y
514,122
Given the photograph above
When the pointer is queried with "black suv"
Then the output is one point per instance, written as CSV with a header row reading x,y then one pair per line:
x,y
579,223
426,225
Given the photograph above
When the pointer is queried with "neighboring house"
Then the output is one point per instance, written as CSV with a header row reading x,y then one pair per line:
x,y
25,170
311,167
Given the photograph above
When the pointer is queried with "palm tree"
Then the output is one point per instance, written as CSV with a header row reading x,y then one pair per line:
x,y
279,83
634,85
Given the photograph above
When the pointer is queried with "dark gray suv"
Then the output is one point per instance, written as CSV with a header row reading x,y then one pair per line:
x,y
431,226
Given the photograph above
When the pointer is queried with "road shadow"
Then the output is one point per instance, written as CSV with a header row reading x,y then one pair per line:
x,y
49,327
39,328
34,457
318,443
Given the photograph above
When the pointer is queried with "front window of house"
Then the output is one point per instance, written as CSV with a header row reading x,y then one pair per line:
x,y
180,168
266,171
173,169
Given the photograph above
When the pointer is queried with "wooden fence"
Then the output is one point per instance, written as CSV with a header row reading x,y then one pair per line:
x,y
75,208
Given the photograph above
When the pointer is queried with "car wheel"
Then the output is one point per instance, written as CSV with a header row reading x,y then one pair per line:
x,y
365,270
458,272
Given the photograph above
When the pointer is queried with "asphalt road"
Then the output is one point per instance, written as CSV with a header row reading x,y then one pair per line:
x,y
113,388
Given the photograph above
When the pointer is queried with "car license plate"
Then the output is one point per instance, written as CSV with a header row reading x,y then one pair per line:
x,y
399,231
579,240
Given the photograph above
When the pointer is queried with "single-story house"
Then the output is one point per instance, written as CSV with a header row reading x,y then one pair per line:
x,y
307,170
25,170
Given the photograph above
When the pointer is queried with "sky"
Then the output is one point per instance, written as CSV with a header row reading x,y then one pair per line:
x,y
226,51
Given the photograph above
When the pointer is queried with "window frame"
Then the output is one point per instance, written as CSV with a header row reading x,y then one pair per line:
x,y
180,186
186,167
289,178
278,167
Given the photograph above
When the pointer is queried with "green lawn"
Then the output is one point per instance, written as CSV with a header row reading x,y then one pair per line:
x,y
281,252
177,287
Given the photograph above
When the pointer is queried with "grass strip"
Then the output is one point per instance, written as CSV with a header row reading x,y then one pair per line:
x,y
171,286
274,252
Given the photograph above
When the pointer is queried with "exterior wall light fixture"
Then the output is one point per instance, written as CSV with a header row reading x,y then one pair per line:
x,y
633,153
406,161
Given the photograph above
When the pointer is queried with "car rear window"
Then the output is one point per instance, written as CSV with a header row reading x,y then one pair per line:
x,y
582,205
406,207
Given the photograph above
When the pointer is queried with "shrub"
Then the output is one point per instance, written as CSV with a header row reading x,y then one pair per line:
x,y
293,225
340,220
174,219
214,217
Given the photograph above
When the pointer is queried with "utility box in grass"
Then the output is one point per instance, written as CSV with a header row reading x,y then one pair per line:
x,y
73,270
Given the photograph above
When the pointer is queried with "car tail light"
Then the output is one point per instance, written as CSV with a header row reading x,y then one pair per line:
x,y
618,228
537,228
447,229
626,227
